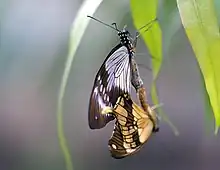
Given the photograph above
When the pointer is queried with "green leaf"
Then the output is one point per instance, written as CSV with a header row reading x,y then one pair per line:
x,y
78,28
143,12
200,23
170,23
209,118
217,9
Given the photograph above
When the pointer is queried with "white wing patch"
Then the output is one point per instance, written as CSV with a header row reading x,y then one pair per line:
x,y
116,65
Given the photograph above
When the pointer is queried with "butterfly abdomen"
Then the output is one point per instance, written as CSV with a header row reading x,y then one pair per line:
x,y
141,93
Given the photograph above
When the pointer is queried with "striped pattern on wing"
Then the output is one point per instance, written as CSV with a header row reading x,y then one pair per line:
x,y
112,80
132,128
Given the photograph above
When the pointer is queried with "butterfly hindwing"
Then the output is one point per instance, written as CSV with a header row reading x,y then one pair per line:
x,y
111,81
132,128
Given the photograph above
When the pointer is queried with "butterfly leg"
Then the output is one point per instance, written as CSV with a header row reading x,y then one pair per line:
x,y
157,127
157,116
158,119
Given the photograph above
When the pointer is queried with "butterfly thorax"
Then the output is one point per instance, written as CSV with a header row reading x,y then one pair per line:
x,y
125,39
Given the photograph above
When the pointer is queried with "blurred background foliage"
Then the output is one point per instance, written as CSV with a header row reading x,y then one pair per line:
x,y
34,43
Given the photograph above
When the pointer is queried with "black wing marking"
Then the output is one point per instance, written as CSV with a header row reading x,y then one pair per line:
x,y
132,128
112,80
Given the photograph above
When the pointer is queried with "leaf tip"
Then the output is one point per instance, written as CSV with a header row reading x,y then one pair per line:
x,y
216,130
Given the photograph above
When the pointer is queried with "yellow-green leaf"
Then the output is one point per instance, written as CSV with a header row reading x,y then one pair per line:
x,y
201,26
170,23
78,28
209,118
143,12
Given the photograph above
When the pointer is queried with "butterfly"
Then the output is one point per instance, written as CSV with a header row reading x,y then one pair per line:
x,y
113,78
132,128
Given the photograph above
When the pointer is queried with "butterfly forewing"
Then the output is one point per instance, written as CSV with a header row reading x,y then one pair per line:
x,y
111,81
132,128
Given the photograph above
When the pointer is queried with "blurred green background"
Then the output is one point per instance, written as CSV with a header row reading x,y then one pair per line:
x,y
34,38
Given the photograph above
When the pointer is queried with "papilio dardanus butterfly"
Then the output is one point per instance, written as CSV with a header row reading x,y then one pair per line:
x,y
113,78
132,128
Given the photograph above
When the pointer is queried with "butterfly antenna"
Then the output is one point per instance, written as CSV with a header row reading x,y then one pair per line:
x,y
152,21
114,28
138,32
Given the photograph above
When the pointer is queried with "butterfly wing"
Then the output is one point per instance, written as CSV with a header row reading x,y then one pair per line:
x,y
112,80
132,128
